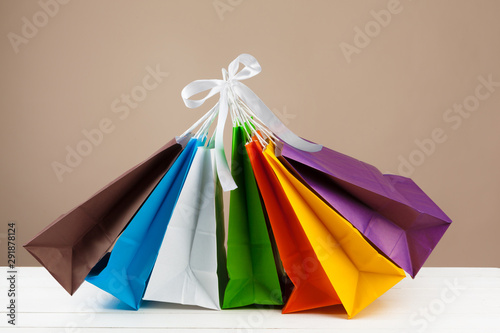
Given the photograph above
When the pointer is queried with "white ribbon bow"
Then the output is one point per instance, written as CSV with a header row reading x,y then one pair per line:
x,y
266,116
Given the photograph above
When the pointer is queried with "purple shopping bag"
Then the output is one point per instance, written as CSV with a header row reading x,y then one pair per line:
x,y
391,211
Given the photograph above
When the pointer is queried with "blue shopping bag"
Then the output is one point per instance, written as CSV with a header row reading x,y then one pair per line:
x,y
125,272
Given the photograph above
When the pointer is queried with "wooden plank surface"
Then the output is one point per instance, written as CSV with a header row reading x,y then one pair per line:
x,y
438,300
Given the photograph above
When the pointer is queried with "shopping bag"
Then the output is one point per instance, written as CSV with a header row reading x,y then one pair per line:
x,y
390,210
312,289
71,245
251,266
191,267
127,270
357,271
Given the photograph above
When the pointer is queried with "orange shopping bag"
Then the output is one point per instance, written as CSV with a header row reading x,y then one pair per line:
x,y
312,287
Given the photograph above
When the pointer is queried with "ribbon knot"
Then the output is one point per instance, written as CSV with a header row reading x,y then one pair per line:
x,y
232,81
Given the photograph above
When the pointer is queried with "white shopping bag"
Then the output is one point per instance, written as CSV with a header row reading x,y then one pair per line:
x,y
187,268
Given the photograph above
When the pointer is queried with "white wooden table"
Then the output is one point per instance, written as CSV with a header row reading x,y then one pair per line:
x,y
438,300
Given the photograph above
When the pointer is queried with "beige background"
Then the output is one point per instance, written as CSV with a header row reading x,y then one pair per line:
x,y
393,91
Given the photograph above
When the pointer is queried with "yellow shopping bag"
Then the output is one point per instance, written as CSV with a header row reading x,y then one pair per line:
x,y
357,271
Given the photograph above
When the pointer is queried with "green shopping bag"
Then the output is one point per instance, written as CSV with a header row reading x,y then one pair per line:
x,y
251,265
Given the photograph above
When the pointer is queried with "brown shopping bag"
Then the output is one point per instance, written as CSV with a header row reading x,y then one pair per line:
x,y
71,245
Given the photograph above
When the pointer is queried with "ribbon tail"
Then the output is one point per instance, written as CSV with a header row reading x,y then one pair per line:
x,y
223,171
269,119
